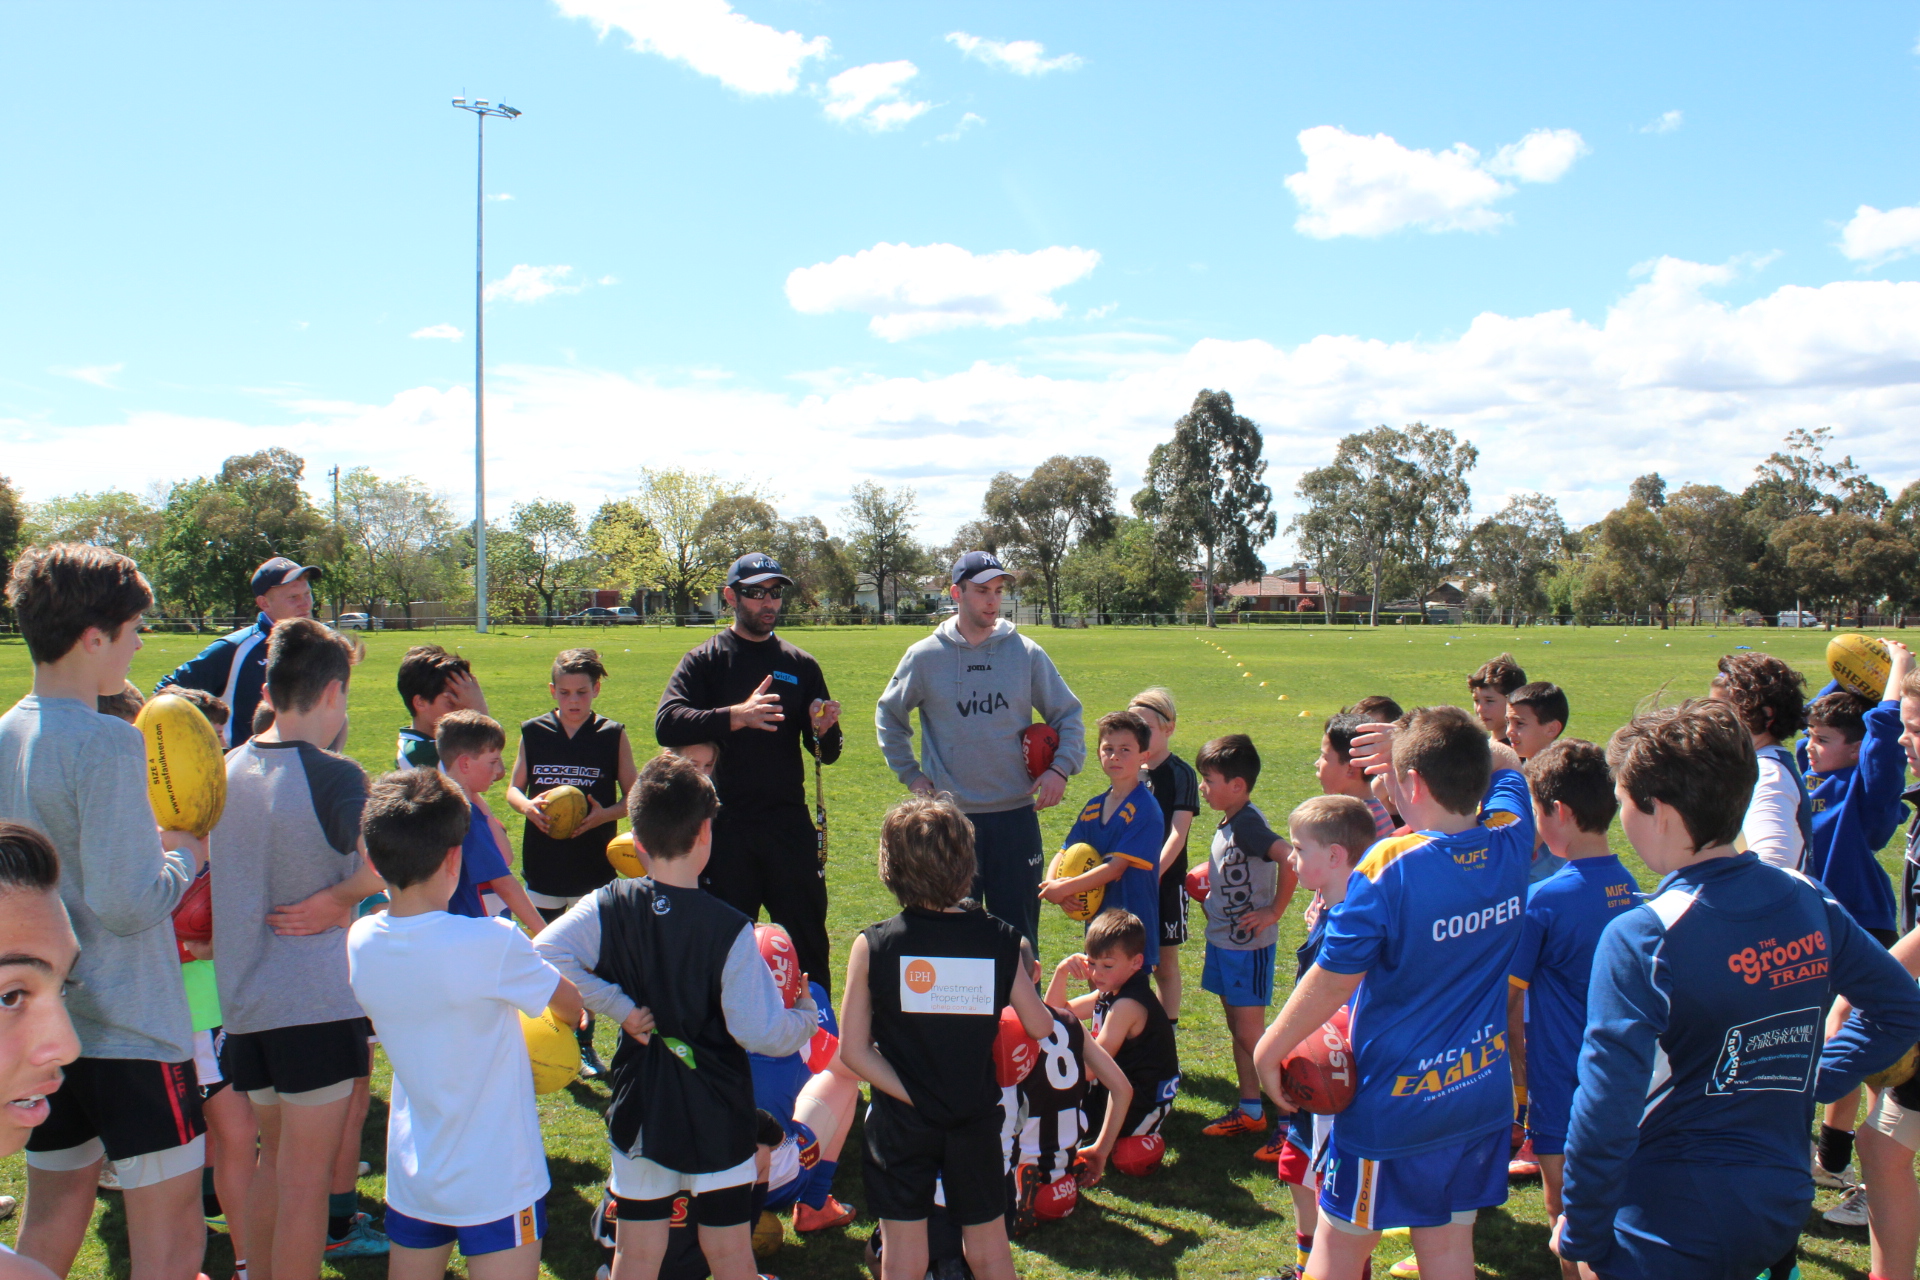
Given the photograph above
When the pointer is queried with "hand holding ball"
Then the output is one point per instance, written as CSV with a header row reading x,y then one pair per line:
x,y
1077,860
566,809
1319,1074
776,948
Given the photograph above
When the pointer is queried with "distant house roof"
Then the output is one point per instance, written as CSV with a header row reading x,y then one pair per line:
x,y
1274,585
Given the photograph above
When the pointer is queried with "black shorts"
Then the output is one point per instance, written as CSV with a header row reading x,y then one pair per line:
x,y
135,1106
1173,903
905,1155
297,1059
728,1207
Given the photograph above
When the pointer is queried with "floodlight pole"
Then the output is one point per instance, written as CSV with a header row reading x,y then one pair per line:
x,y
481,109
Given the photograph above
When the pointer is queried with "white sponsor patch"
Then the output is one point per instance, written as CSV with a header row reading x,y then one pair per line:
x,y
946,984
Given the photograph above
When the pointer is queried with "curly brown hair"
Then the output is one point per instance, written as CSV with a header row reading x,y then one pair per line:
x,y
1768,695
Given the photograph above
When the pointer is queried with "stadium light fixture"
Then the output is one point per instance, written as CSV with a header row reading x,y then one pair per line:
x,y
481,109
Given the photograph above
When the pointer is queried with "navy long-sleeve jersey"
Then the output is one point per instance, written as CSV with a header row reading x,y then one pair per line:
x,y
1704,1040
233,669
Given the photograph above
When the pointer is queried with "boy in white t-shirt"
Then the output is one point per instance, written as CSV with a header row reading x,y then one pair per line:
x,y
442,991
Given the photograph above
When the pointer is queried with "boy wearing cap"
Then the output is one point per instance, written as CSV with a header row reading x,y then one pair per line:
x,y
234,667
764,700
977,682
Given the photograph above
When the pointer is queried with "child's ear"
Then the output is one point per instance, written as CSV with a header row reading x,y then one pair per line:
x,y
451,863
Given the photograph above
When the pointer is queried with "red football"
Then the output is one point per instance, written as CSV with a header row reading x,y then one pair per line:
x,y
1014,1051
1057,1199
1200,882
776,948
1320,1074
1038,742
193,916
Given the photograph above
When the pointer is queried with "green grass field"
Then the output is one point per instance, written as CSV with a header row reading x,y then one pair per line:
x,y
1211,1210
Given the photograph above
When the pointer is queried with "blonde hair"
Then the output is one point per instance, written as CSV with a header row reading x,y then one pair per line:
x,y
1159,700
1335,820
926,852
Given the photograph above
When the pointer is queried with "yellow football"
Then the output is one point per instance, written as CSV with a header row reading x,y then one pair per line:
x,y
186,768
1860,663
554,1052
768,1234
624,857
566,809
1076,860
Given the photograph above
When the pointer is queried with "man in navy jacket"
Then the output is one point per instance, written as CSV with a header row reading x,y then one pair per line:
x,y
234,667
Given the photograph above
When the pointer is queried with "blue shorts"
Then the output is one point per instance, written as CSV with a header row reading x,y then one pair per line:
x,y
1684,1222
1432,1189
1242,979
1547,1144
497,1236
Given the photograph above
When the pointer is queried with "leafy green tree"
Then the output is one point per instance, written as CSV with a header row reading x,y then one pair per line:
x,y
880,524
1650,491
1392,501
1039,518
1514,549
628,546
398,542
557,557
734,525
1844,558
814,560
1206,492
12,513
115,519
1127,573
676,502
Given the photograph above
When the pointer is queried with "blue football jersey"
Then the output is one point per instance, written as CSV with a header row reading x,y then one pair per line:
x,y
1432,920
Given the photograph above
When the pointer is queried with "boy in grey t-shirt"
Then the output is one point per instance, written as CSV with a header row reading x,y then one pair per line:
x,y
1249,883
80,778
289,872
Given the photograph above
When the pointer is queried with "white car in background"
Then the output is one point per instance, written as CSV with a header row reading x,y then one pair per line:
x,y
1790,618
358,622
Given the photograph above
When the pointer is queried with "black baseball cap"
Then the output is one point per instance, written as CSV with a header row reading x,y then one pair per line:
x,y
979,566
278,572
756,567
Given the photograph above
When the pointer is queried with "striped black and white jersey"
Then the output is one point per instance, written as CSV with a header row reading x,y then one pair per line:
x,y
1051,1096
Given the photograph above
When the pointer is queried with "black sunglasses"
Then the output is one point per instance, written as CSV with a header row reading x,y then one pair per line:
x,y
758,593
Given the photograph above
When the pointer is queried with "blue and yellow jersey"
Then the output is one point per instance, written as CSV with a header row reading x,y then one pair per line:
x,y
1432,920
1133,836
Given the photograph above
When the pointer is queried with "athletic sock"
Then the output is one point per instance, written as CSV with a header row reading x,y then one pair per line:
x,y
209,1198
1302,1248
341,1206
819,1184
1253,1108
239,1269
1836,1148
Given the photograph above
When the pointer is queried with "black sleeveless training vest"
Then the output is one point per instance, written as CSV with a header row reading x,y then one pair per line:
x,y
667,948
589,760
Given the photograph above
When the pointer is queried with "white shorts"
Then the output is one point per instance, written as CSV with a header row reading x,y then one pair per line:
x,y
1895,1121
638,1178
206,1058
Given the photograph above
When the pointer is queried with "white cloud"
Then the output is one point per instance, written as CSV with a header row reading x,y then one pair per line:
x,y
966,122
1875,237
708,36
445,331
912,290
500,196
1544,155
1669,379
1665,122
874,95
1360,185
100,375
530,284
1022,57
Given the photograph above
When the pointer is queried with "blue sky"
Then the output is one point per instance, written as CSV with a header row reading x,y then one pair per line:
x,y
806,243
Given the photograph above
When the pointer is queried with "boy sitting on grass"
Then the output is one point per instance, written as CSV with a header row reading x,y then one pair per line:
x,y
432,683
918,1021
442,989
1489,687
1249,887
1573,805
1329,835
468,745
658,952
1124,825
1687,1145
1421,946
1130,1025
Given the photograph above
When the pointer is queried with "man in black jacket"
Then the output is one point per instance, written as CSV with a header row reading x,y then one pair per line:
x,y
761,700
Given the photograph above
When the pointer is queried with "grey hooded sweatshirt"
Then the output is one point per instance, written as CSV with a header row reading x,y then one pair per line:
x,y
974,700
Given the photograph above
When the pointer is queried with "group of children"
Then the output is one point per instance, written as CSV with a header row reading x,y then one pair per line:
x,y
1500,980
